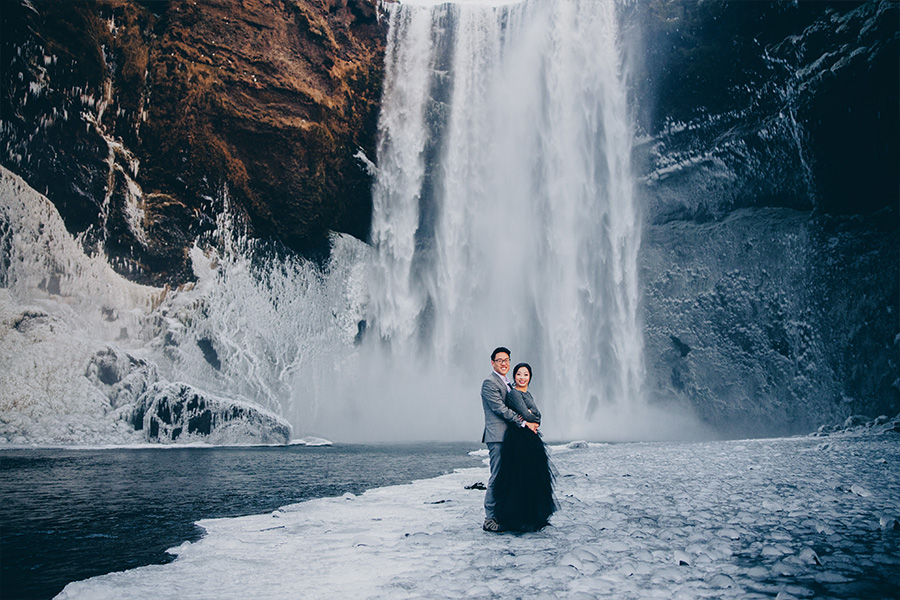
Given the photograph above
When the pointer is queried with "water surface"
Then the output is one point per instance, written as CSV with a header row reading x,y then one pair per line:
x,y
67,515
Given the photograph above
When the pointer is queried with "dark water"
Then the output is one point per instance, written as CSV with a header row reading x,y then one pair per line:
x,y
67,515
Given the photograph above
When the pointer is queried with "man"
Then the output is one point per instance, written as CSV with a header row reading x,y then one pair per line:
x,y
497,417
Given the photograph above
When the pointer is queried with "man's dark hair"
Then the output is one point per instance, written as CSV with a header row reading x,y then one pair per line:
x,y
498,350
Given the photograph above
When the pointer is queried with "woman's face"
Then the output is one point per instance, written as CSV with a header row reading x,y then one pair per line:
x,y
522,377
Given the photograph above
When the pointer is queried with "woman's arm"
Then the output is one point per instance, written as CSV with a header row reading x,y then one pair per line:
x,y
529,402
519,402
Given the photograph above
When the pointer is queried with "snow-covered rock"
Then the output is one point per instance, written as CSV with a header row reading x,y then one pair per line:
x,y
178,412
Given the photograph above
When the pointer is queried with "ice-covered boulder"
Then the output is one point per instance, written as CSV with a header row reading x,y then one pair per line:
x,y
121,376
178,412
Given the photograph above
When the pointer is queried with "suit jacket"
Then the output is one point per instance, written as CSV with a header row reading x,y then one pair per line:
x,y
496,414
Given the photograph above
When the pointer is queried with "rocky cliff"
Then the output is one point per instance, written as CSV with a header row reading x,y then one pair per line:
x,y
139,120
770,187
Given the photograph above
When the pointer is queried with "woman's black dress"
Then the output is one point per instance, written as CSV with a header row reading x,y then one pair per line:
x,y
523,488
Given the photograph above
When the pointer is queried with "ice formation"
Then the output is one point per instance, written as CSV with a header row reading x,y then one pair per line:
x,y
78,348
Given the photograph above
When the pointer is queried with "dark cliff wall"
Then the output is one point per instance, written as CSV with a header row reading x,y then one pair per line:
x,y
133,117
769,177
802,94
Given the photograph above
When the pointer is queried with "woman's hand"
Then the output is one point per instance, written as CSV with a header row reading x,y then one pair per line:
x,y
532,426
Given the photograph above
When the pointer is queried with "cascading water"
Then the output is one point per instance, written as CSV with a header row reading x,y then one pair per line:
x,y
504,205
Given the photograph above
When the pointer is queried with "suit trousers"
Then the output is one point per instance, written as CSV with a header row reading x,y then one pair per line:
x,y
489,502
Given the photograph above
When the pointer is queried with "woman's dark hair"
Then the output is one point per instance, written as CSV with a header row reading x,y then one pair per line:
x,y
527,366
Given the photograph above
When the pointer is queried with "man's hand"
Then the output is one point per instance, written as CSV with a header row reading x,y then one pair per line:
x,y
532,426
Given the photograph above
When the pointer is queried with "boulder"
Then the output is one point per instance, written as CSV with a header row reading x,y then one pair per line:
x,y
178,412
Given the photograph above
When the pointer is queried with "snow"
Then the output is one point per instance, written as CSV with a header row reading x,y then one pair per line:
x,y
310,441
729,519
86,356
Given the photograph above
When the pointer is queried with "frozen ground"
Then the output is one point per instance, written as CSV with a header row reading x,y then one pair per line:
x,y
777,518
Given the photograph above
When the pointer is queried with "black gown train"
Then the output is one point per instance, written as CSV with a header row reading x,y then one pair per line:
x,y
523,488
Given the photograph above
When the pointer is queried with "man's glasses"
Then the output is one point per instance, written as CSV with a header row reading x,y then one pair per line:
x,y
502,361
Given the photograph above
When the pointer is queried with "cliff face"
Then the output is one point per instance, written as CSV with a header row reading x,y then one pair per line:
x,y
770,187
132,117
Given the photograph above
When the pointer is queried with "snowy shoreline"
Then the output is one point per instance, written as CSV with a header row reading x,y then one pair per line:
x,y
309,442
786,517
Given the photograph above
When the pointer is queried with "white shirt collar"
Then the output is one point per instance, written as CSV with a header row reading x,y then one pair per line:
x,y
503,378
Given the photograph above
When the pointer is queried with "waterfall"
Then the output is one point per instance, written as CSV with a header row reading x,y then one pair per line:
x,y
504,214
504,209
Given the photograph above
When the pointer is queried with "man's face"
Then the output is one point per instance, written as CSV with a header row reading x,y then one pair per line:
x,y
501,363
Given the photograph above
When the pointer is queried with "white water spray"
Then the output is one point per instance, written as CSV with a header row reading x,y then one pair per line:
x,y
504,205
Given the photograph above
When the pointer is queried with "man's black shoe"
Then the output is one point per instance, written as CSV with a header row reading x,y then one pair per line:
x,y
491,525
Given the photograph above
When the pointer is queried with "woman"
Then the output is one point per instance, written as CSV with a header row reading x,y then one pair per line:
x,y
523,488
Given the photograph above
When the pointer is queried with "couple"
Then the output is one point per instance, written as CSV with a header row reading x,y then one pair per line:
x,y
519,494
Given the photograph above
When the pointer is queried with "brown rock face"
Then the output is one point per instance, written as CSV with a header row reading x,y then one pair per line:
x,y
269,99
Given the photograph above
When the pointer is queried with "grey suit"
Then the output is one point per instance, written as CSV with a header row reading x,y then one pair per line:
x,y
497,416
496,413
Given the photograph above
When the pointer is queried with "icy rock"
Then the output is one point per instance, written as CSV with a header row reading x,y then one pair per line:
x,y
643,555
721,581
170,412
831,577
669,574
719,550
311,441
799,592
809,523
666,534
860,490
120,376
759,573
368,540
855,421
772,551
808,556
731,534
888,523
583,564
781,535
822,528
577,444
585,554
616,546
682,558
786,569
478,591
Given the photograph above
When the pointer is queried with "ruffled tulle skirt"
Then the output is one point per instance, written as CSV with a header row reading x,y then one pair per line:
x,y
523,488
